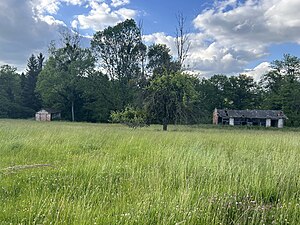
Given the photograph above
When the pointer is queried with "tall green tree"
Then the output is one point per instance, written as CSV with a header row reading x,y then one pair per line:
x,y
213,92
30,98
243,93
120,51
10,93
281,88
170,97
59,81
221,91
160,60
98,96
40,62
235,92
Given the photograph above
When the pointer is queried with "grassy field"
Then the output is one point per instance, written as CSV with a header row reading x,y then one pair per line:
x,y
110,174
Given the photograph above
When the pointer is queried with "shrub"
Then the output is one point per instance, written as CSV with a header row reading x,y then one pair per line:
x,y
130,116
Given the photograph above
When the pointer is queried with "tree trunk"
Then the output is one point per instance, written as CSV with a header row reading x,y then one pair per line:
x,y
165,124
73,114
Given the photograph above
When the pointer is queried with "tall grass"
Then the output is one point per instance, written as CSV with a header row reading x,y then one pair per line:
x,y
110,174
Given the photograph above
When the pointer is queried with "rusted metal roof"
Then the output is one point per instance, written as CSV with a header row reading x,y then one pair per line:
x,y
257,114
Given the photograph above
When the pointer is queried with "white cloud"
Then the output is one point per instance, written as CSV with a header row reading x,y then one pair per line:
x,y
242,32
22,33
118,3
228,36
231,35
28,26
52,21
101,16
42,7
161,38
45,6
215,59
258,71
74,24
46,9
125,13
205,56
75,2
253,25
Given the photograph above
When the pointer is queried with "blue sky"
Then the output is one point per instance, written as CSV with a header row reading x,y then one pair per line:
x,y
227,36
157,15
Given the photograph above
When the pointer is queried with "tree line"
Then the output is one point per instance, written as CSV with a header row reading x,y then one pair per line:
x,y
120,74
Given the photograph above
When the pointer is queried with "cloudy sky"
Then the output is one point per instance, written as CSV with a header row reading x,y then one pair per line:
x,y
227,36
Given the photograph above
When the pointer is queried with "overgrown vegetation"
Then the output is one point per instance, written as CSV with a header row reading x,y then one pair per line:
x,y
110,174
131,117
118,70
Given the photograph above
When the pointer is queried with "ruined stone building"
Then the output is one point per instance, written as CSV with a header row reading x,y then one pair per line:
x,y
266,118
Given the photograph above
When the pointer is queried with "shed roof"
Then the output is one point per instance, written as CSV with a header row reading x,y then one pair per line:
x,y
255,114
50,110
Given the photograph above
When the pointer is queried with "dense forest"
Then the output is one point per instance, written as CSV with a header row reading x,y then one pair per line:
x,y
120,74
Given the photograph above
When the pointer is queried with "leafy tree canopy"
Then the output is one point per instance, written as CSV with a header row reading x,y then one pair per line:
x,y
59,82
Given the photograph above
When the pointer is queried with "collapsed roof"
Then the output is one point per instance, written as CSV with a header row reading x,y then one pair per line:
x,y
254,114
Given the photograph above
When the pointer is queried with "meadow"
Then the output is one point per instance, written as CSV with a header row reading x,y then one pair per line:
x,y
79,173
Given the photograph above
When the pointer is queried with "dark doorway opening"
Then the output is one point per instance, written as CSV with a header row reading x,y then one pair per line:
x,y
274,123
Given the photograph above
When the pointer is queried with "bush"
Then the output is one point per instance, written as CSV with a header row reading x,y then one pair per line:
x,y
130,116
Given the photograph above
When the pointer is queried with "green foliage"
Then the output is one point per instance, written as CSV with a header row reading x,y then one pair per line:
x,y
170,97
10,94
30,98
160,60
120,51
59,84
109,174
243,93
213,92
98,96
129,116
119,70
235,92
221,91
281,88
